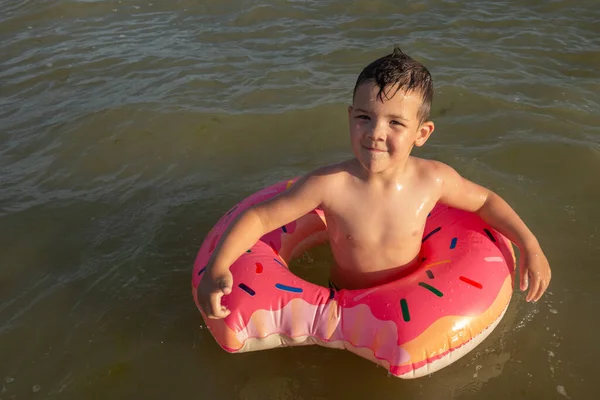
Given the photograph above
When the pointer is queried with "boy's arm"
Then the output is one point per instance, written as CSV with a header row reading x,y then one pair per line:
x,y
305,195
463,194
302,197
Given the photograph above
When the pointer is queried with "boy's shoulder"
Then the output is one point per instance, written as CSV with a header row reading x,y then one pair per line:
x,y
431,169
330,176
337,170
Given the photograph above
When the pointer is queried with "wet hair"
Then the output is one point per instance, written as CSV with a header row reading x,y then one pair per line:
x,y
399,69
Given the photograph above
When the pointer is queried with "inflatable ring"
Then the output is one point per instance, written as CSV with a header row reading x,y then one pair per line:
x,y
424,321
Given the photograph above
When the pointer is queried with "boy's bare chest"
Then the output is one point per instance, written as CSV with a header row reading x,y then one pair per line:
x,y
368,220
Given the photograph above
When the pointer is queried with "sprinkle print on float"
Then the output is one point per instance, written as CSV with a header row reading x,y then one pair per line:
x,y
418,324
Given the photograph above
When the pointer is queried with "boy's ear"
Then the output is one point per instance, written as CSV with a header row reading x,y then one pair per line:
x,y
350,110
425,130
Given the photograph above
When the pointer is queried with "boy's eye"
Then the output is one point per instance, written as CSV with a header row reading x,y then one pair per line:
x,y
394,122
362,116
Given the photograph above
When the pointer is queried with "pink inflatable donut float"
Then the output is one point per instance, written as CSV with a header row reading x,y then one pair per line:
x,y
428,319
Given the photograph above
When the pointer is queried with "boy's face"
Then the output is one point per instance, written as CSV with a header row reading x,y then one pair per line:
x,y
383,133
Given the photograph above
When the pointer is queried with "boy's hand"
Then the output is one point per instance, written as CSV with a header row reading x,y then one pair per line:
x,y
534,273
213,286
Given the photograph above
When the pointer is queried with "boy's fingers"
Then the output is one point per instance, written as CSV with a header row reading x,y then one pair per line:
x,y
225,311
215,305
533,289
541,290
225,285
217,309
207,308
524,279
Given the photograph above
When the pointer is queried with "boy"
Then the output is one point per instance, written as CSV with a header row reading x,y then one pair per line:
x,y
376,203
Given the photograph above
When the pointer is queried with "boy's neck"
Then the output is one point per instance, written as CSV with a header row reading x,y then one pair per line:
x,y
388,177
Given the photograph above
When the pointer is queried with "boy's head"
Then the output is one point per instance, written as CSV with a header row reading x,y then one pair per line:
x,y
397,72
389,112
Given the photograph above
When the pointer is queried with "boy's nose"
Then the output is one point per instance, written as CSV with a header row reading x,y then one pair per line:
x,y
377,133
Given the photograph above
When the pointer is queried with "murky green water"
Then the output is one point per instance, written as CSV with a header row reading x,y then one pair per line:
x,y
127,128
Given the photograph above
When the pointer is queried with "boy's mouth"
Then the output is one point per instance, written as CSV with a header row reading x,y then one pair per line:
x,y
374,149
